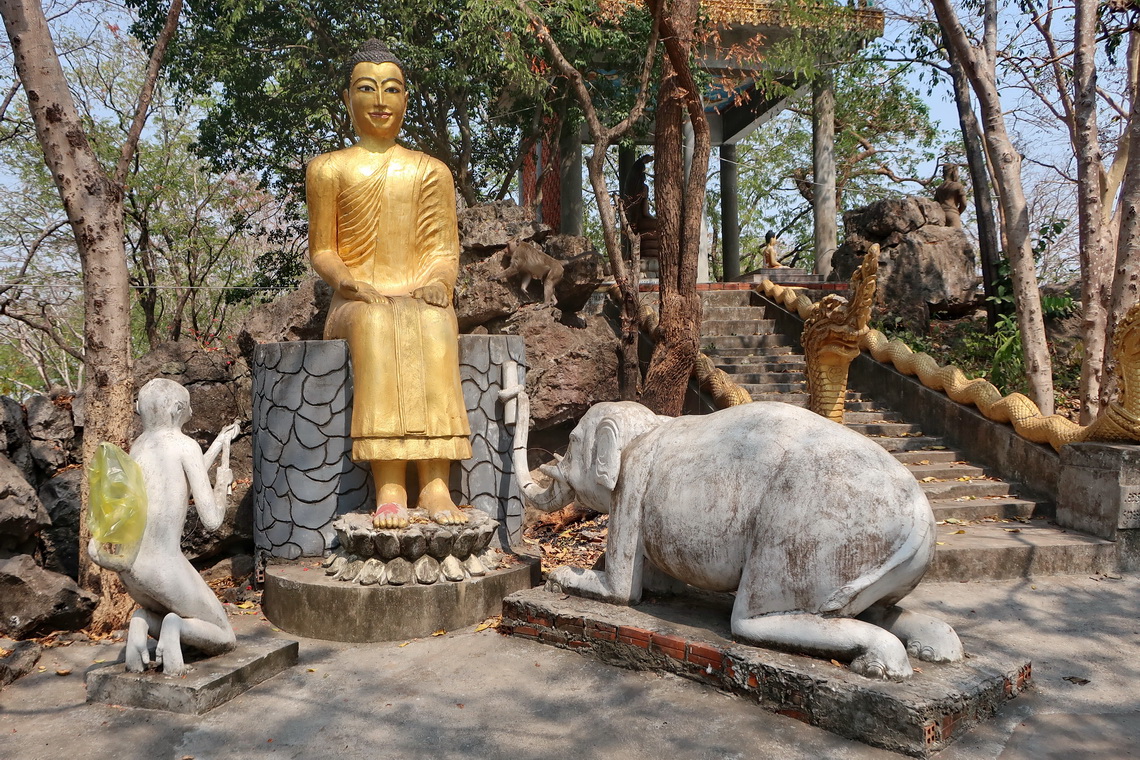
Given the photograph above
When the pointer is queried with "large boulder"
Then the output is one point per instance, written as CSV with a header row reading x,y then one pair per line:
x,y
299,315
490,226
569,369
218,383
60,496
481,298
49,419
924,265
20,660
51,429
14,439
22,515
34,600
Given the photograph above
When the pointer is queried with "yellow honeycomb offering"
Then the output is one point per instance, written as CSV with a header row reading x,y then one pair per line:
x,y
117,505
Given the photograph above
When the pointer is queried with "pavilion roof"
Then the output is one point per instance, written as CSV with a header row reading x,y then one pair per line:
x,y
762,13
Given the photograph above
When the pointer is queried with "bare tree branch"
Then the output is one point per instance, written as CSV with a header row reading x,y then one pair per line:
x,y
130,147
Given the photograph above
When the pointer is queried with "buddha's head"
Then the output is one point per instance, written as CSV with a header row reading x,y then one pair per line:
x,y
376,94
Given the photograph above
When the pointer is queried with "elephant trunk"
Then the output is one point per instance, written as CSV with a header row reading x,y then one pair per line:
x,y
555,496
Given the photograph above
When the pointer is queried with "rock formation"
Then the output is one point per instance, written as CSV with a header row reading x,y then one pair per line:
x,y
924,265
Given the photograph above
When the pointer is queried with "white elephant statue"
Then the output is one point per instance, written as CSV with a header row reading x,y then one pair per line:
x,y
818,530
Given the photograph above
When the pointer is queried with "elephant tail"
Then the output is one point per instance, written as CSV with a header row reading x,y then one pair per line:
x,y
904,567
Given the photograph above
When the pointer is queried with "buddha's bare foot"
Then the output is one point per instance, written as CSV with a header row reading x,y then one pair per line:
x,y
440,508
390,515
448,516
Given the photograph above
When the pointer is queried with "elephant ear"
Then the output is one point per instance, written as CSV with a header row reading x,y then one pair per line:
x,y
607,454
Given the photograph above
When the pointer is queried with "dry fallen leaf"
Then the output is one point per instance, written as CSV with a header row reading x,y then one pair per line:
x,y
440,632
97,662
837,663
4,652
939,543
246,606
312,670
929,480
1075,679
958,532
1012,530
63,672
489,623
405,644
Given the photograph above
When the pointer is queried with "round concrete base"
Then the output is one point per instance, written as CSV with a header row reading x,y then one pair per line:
x,y
299,598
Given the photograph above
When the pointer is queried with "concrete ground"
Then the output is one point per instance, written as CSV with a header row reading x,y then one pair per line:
x,y
482,695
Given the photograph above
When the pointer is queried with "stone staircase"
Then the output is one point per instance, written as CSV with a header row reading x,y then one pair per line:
x,y
987,529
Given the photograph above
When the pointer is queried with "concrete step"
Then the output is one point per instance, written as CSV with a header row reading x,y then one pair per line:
x,y
955,489
946,470
750,342
999,507
712,328
800,389
887,429
909,443
782,274
930,456
768,377
1001,550
862,406
726,298
865,417
715,313
748,353
774,365
761,363
765,388
800,400
794,399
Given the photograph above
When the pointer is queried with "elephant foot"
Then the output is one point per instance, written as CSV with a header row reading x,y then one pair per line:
x,y
883,666
880,655
926,638
591,584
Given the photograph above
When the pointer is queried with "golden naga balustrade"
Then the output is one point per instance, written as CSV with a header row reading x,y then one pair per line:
x,y
832,332
1119,422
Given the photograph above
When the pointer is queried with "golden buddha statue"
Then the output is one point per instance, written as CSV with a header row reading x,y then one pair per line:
x,y
383,234
771,252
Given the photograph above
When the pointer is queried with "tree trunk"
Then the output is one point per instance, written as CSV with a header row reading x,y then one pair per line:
x,y
989,249
626,279
94,206
1126,279
1006,164
1096,267
680,201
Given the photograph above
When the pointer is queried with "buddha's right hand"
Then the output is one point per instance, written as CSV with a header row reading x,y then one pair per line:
x,y
355,290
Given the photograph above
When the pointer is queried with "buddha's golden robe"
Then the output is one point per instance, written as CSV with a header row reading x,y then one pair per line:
x,y
396,230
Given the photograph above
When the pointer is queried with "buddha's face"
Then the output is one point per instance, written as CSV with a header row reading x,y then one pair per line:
x,y
376,100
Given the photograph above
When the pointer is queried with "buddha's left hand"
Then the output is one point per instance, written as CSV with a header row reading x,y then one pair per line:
x,y
434,294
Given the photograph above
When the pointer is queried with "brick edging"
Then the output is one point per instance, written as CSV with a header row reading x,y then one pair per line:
x,y
914,729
